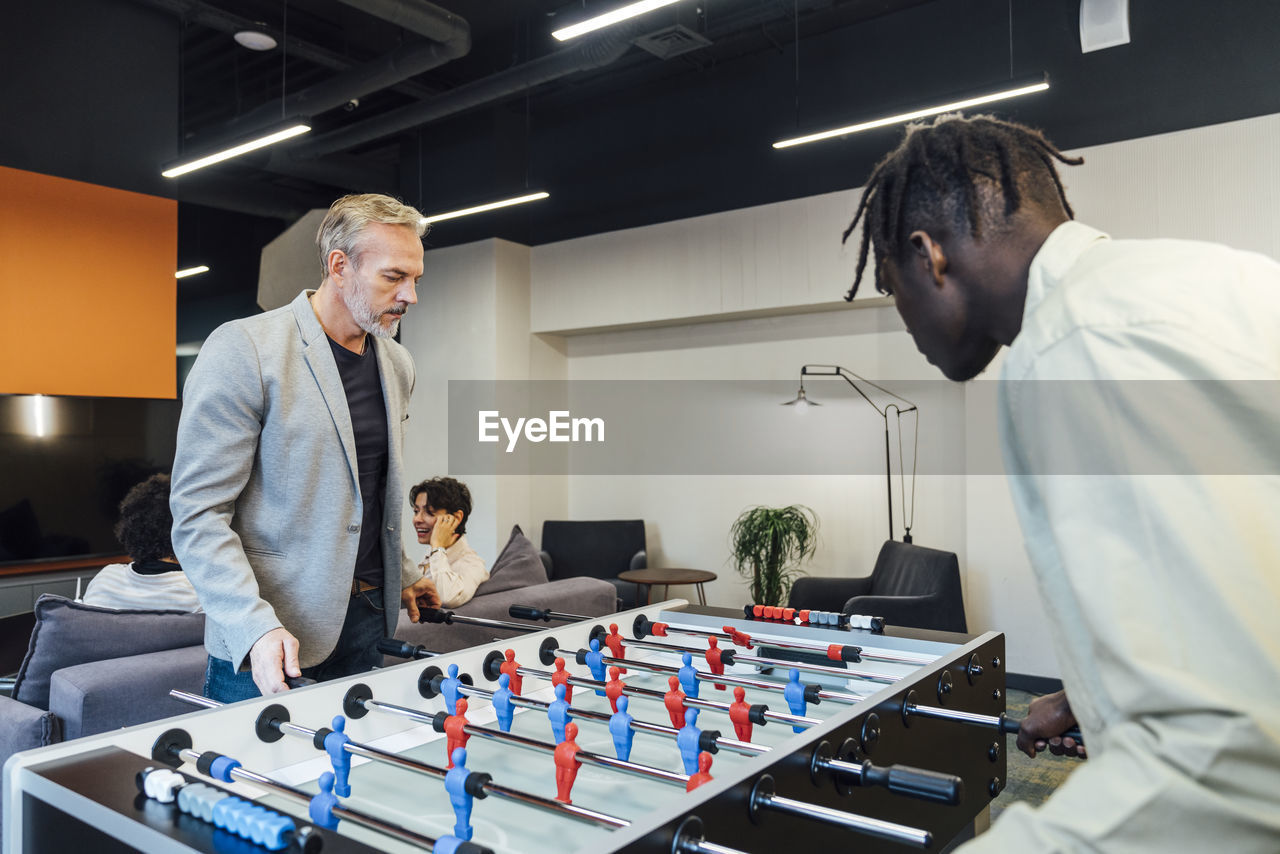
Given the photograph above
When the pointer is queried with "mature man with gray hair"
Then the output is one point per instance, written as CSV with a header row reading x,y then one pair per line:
x,y
287,480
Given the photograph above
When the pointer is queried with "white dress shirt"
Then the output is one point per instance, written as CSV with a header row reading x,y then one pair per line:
x,y
1141,433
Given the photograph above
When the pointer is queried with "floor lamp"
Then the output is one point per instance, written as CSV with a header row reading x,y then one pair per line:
x,y
802,401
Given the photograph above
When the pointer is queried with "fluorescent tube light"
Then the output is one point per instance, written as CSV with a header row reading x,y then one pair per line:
x,y
622,13
191,271
237,150
1039,84
518,200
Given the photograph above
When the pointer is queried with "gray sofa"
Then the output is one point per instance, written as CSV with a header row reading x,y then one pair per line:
x,y
89,670
517,577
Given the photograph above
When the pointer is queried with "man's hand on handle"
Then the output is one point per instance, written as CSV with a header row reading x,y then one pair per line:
x,y
1047,718
421,594
274,656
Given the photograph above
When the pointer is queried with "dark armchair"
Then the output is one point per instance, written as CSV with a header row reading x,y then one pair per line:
x,y
597,550
910,586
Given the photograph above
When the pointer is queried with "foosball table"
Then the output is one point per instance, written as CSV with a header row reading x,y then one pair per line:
x,y
669,728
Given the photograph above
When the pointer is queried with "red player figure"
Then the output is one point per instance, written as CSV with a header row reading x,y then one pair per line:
x,y
739,638
613,640
567,763
454,734
560,676
674,701
704,772
739,713
510,667
613,688
713,659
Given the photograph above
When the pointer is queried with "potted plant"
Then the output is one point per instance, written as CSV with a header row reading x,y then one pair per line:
x,y
768,544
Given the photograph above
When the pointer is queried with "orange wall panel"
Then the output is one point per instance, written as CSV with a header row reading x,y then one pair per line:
x,y
88,302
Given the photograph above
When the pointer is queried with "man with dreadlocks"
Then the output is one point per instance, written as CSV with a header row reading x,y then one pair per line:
x,y
1160,583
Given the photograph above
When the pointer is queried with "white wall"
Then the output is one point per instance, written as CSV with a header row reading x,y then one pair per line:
x,y
472,323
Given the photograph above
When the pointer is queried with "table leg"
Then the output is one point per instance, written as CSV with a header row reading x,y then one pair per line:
x,y
702,595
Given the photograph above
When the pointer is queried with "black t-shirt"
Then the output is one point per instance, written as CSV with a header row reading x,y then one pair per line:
x,y
363,385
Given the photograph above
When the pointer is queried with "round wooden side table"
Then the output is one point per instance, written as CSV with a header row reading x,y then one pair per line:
x,y
667,577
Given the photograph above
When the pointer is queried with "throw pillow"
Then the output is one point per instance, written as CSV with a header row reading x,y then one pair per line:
x,y
69,632
517,566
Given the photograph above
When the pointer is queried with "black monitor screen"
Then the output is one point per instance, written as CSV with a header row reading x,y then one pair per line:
x,y
65,464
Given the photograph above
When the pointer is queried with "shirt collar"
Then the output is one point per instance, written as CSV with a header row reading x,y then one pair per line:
x,y
1057,255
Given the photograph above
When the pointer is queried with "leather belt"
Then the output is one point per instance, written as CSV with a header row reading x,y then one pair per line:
x,y
358,587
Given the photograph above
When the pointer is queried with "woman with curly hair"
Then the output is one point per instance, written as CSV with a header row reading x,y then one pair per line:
x,y
154,581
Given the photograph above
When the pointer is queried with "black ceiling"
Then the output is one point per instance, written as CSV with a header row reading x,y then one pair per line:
x,y
108,90
644,139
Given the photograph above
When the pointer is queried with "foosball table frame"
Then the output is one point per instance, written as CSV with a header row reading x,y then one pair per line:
x,y
82,794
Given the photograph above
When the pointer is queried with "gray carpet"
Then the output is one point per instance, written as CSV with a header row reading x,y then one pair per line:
x,y
1030,780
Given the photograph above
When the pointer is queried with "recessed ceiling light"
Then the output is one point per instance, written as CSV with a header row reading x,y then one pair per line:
x,y
254,40
191,271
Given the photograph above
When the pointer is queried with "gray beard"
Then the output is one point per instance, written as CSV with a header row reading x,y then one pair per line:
x,y
357,302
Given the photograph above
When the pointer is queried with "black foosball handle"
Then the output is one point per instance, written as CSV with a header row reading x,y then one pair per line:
x,y
403,649
298,681
528,612
918,783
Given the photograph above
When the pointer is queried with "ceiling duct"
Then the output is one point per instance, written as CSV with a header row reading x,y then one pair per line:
x,y
417,16
590,54
206,15
451,39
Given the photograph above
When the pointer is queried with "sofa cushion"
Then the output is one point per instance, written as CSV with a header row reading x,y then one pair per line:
x,y
517,566
25,728
69,632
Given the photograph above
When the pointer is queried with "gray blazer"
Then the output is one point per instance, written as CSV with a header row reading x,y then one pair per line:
x,y
265,494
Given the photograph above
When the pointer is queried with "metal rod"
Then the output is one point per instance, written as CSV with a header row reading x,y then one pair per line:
x,y
360,818
1004,723
586,757
358,749
449,617
711,848
194,699
733,745
845,672
873,655
692,702
862,824
724,678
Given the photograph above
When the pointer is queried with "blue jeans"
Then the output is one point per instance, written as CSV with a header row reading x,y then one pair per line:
x,y
356,652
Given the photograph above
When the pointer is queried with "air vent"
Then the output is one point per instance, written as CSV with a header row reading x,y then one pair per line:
x,y
672,41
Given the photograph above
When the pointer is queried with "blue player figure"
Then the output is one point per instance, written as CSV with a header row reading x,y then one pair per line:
x,y
620,729
449,688
794,695
455,783
323,802
335,745
502,705
558,714
595,663
689,680
689,741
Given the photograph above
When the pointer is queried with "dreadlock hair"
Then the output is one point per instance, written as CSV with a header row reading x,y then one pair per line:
x,y
946,175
